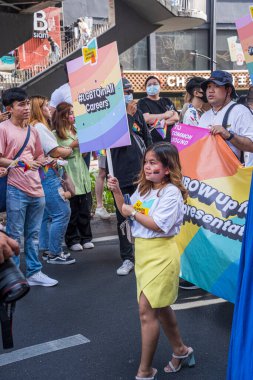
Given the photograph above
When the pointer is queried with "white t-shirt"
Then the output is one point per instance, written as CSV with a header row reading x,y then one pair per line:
x,y
47,138
166,210
191,116
61,94
240,121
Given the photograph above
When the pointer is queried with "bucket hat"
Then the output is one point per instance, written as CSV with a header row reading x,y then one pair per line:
x,y
221,78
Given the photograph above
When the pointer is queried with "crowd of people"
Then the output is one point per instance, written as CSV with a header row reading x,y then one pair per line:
x,y
147,188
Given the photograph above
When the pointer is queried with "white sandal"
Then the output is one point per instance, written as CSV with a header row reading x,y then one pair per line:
x,y
154,377
187,359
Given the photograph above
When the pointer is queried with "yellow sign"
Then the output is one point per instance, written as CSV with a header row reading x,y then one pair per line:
x,y
251,11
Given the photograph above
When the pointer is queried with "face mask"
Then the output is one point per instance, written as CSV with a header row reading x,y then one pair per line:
x,y
128,98
154,89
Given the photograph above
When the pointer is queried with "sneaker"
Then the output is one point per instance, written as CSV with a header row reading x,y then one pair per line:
x,y
102,213
88,245
44,255
125,268
76,247
41,279
60,259
187,285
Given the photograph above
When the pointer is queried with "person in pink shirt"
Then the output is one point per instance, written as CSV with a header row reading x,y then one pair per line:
x,y
25,200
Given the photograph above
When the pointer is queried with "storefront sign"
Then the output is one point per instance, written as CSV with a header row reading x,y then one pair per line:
x,y
175,81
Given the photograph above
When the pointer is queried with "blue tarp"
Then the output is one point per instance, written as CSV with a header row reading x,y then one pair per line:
x,y
240,361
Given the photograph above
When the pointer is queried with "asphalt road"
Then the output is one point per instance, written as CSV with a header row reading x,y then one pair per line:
x,y
93,301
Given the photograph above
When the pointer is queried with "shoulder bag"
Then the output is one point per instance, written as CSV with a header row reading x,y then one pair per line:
x,y
3,180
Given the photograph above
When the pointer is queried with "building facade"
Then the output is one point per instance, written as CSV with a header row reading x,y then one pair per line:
x,y
192,50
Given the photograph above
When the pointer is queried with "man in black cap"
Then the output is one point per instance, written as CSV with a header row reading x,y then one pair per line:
x,y
126,162
232,121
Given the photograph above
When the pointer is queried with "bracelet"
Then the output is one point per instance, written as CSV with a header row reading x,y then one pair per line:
x,y
231,136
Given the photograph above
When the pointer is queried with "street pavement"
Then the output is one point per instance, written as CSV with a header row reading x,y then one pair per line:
x,y
91,301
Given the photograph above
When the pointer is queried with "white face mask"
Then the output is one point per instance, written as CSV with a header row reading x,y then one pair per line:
x,y
128,98
153,89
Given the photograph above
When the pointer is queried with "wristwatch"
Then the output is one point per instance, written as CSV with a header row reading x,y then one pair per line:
x,y
230,136
133,213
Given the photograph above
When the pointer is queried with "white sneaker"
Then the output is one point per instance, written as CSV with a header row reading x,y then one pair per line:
x,y
41,279
125,268
88,245
76,247
102,213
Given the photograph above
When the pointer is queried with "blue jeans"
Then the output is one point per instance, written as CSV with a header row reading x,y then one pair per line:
x,y
56,215
24,217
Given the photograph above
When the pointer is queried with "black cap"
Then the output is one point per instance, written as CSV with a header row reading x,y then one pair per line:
x,y
221,78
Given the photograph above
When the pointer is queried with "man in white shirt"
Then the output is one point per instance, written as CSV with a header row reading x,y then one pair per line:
x,y
238,131
61,94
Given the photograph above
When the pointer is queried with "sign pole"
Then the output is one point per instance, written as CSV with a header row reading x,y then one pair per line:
x,y
109,161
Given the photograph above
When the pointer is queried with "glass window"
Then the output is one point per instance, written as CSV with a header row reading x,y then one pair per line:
x,y
136,58
222,55
173,50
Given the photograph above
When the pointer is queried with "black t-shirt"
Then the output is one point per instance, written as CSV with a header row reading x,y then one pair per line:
x,y
162,105
127,160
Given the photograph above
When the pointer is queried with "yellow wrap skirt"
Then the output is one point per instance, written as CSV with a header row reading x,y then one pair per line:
x,y
157,266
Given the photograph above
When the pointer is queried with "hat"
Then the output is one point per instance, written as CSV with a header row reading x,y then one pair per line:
x,y
221,78
126,84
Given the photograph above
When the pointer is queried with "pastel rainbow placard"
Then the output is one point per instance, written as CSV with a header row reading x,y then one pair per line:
x,y
98,101
245,32
210,239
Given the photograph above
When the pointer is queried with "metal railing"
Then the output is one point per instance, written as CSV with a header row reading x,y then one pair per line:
x,y
186,6
17,77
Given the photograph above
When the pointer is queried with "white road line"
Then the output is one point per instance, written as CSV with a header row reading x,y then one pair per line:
x,y
105,238
192,305
43,348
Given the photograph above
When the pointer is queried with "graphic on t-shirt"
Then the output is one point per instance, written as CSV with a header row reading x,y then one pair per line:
x,y
136,127
161,127
144,207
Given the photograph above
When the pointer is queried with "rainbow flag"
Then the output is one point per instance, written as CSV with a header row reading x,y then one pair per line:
x,y
161,127
20,164
44,169
210,240
101,152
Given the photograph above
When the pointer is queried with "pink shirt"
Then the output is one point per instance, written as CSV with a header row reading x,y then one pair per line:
x,y
12,139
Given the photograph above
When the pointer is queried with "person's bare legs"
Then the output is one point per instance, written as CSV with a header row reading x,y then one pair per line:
x,y
99,186
169,324
150,328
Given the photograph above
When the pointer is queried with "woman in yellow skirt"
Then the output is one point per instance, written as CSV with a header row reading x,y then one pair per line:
x,y
156,214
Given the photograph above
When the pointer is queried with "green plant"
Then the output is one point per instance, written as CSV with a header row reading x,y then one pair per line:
x,y
107,195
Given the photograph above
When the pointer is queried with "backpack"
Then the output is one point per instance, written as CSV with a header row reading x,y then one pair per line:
x,y
225,125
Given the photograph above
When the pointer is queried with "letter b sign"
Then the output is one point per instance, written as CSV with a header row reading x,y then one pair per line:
x,y
39,21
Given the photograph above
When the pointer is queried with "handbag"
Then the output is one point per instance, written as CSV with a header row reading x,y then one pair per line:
x,y
68,184
3,180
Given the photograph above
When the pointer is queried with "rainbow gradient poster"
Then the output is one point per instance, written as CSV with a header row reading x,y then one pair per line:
x,y
98,101
210,239
245,32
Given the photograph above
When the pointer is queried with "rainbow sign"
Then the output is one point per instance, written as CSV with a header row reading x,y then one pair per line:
x,y
245,32
98,101
214,216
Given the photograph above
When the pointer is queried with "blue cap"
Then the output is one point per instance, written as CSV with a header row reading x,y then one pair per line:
x,y
221,78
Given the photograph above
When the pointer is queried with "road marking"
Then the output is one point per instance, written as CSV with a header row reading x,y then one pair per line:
x,y
105,238
192,305
43,348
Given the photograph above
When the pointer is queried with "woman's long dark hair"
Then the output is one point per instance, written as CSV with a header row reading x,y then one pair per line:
x,y
168,155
